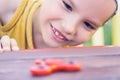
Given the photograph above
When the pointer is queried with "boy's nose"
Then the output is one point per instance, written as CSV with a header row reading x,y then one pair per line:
x,y
70,26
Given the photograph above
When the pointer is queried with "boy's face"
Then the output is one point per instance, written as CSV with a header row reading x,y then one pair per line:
x,y
72,22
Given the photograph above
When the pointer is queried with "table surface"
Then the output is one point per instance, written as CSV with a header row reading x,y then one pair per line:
x,y
99,63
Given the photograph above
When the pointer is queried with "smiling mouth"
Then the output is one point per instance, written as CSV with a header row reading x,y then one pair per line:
x,y
57,35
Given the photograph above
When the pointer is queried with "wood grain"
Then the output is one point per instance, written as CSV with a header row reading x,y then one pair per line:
x,y
99,63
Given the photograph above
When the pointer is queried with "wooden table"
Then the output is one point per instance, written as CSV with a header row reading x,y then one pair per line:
x,y
99,63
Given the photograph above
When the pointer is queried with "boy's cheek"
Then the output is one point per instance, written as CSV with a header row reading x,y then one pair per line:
x,y
83,38
79,41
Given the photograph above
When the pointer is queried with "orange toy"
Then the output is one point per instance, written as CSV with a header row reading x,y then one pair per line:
x,y
48,66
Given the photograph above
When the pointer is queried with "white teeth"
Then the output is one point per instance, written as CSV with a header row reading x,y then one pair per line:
x,y
57,34
61,37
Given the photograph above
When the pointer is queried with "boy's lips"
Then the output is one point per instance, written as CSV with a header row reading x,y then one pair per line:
x,y
57,35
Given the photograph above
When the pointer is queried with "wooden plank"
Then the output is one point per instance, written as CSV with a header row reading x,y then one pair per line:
x,y
99,63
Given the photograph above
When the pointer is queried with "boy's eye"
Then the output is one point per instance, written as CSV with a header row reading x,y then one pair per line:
x,y
88,25
67,6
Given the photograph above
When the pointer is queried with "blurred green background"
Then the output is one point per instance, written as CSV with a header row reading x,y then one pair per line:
x,y
107,35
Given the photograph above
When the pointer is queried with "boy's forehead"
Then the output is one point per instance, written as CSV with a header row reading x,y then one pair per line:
x,y
89,4
89,7
92,1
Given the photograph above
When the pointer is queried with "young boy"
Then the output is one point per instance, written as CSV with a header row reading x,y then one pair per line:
x,y
51,23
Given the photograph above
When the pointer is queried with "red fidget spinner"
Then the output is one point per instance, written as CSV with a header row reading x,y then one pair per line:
x,y
48,66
